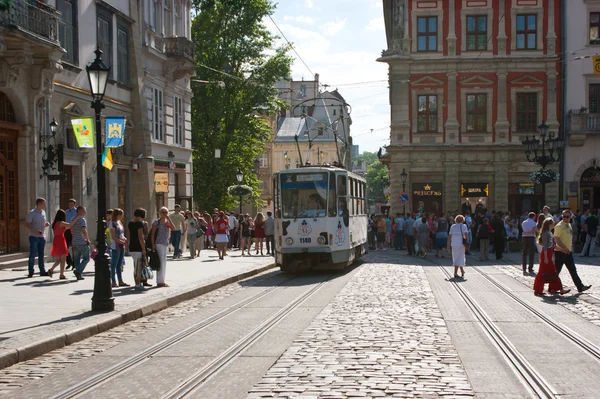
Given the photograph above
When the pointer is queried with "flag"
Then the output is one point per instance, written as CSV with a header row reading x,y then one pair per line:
x,y
115,127
285,154
596,61
107,159
84,131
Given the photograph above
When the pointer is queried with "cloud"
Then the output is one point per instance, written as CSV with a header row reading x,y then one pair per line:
x,y
376,24
308,3
334,27
300,18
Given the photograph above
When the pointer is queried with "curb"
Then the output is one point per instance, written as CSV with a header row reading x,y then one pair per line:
x,y
9,357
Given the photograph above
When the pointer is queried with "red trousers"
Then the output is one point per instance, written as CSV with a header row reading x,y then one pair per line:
x,y
547,274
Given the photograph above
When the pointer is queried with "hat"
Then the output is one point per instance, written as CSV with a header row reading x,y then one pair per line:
x,y
221,213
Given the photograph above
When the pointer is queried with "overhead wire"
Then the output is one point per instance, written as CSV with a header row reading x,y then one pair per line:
x,y
291,45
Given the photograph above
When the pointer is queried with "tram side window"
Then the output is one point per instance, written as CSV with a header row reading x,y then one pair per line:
x,y
352,209
332,196
342,200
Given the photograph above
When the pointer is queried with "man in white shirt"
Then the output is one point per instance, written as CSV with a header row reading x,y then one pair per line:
x,y
233,223
399,240
529,228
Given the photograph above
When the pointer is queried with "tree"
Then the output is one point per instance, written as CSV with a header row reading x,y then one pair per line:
x,y
234,46
377,179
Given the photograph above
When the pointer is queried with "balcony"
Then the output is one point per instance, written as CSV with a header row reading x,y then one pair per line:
x,y
579,125
180,47
34,19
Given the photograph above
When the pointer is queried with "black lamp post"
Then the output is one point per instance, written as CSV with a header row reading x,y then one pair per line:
x,y
549,152
403,177
102,300
240,178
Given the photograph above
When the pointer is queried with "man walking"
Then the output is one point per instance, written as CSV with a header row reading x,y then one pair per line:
x,y
233,224
177,219
270,233
399,239
591,223
529,229
81,243
36,224
71,212
410,239
563,254
500,236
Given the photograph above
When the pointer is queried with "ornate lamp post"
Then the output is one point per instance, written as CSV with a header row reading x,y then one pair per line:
x,y
547,153
240,178
102,300
403,178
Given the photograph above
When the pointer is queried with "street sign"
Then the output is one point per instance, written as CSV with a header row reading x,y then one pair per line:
x,y
403,198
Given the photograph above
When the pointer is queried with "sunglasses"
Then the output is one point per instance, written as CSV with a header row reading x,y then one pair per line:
x,y
163,212
566,217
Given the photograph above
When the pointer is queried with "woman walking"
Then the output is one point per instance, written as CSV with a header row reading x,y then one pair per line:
x,y
192,226
547,271
259,232
201,227
245,230
160,233
423,236
117,246
484,232
59,243
137,246
441,235
457,237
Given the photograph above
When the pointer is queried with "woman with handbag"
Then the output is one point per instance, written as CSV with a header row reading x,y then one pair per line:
x,y
547,271
458,238
137,246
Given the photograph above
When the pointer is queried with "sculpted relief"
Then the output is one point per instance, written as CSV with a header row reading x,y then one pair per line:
x,y
393,14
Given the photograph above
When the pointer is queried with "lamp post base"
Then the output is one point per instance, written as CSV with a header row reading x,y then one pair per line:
x,y
102,300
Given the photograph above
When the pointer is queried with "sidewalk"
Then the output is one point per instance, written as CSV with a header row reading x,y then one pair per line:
x,y
40,314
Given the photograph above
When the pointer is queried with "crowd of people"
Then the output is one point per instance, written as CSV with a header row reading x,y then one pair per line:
x,y
551,235
147,243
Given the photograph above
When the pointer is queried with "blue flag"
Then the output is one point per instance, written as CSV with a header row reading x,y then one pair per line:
x,y
115,130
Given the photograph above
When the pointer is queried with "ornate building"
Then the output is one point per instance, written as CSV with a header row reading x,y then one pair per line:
x,y
468,81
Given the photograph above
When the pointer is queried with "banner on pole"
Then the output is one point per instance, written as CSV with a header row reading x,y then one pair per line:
x,y
84,132
115,128
107,161
596,61
161,182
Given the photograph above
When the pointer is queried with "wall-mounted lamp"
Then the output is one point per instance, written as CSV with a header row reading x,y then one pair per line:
x,y
51,154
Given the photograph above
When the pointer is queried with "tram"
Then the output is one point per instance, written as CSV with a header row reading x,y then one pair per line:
x,y
320,218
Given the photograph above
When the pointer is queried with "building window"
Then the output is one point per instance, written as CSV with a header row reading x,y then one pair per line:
x,y
594,27
477,32
105,38
594,98
67,29
427,34
427,114
156,16
123,54
158,114
527,32
527,112
178,120
168,18
476,112
178,7
263,160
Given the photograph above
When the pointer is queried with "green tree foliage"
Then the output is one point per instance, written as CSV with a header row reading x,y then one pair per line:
x,y
377,177
234,46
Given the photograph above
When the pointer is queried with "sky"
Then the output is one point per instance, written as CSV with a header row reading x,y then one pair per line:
x,y
341,40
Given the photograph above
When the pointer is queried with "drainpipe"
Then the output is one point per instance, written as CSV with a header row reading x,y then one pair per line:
x,y
563,164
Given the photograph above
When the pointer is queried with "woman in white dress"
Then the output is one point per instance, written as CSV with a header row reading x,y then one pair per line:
x,y
458,233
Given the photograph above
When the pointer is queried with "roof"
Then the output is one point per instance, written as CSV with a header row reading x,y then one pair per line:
x,y
289,127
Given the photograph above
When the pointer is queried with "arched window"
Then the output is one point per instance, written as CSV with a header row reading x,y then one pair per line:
x,y
7,113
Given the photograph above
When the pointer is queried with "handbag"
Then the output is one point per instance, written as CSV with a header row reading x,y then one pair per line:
x,y
154,260
147,273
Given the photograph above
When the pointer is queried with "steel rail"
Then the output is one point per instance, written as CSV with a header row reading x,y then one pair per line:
x,y
193,382
136,360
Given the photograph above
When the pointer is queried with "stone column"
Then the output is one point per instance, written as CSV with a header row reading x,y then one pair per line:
x,y
451,187
551,36
502,126
551,117
399,103
501,38
500,187
452,125
451,29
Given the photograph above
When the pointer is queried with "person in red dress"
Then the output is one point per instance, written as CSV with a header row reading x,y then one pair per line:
x,y
259,232
547,271
59,244
221,227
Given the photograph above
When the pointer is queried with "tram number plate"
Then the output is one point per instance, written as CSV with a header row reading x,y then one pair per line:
x,y
305,240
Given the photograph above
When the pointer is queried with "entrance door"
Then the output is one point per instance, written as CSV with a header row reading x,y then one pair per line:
x,y
9,217
66,187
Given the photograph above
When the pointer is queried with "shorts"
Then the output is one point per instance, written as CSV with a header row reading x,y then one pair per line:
x,y
221,238
380,237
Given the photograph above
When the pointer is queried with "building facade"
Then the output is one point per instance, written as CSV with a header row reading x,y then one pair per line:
x,y
469,80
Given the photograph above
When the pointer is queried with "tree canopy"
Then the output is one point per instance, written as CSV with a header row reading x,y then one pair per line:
x,y
234,46
377,177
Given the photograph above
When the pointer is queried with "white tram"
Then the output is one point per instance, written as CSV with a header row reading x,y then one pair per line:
x,y
320,218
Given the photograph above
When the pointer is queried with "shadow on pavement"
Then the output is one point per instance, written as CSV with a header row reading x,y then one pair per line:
x,y
80,316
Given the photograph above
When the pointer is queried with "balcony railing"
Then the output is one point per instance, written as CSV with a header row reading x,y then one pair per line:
x,y
180,47
584,123
32,17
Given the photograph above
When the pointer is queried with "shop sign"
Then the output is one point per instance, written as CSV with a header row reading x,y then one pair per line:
x,y
591,177
161,182
427,190
474,190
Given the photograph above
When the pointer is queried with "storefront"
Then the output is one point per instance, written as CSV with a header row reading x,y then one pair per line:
x,y
590,188
525,197
474,197
427,197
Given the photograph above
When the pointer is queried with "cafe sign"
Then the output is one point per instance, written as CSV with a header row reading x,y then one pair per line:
x,y
474,190
427,190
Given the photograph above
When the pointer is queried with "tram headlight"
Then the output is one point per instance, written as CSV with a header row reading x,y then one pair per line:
x,y
321,240
289,241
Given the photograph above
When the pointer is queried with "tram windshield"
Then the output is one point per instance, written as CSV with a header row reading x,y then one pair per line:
x,y
304,195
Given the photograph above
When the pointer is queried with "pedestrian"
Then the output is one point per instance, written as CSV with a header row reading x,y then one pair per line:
x,y
221,239
423,236
36,223
371,231
259,232
441,235
214,230
388,231
233,223
529,228
176,232
137,246
245,232
70,212
408,231
381,231
583,226
563,254
118,243
59,243
159,234
81,243
499,235
191,228
399,239
547,270
209,230
200,233
457,237
484,232
270,233
591,223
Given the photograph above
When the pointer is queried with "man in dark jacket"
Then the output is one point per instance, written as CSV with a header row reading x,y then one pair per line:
x,y
591,223
499,234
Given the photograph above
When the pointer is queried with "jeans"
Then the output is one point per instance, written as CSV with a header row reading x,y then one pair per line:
x,y
81,257
36,247
399,241
176,242
270,239
116,261
528,252
560,259
589,246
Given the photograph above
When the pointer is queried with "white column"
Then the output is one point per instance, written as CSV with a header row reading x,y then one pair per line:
x,y
452,126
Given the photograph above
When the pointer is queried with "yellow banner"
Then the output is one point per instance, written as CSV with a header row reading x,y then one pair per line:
x,y
84,132
596,60
161,182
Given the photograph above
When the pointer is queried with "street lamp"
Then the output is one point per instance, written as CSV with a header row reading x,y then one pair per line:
x,y
102,300
239,175
403,177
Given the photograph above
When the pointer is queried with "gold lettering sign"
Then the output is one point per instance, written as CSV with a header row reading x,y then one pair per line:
x,y
474,189
427,191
